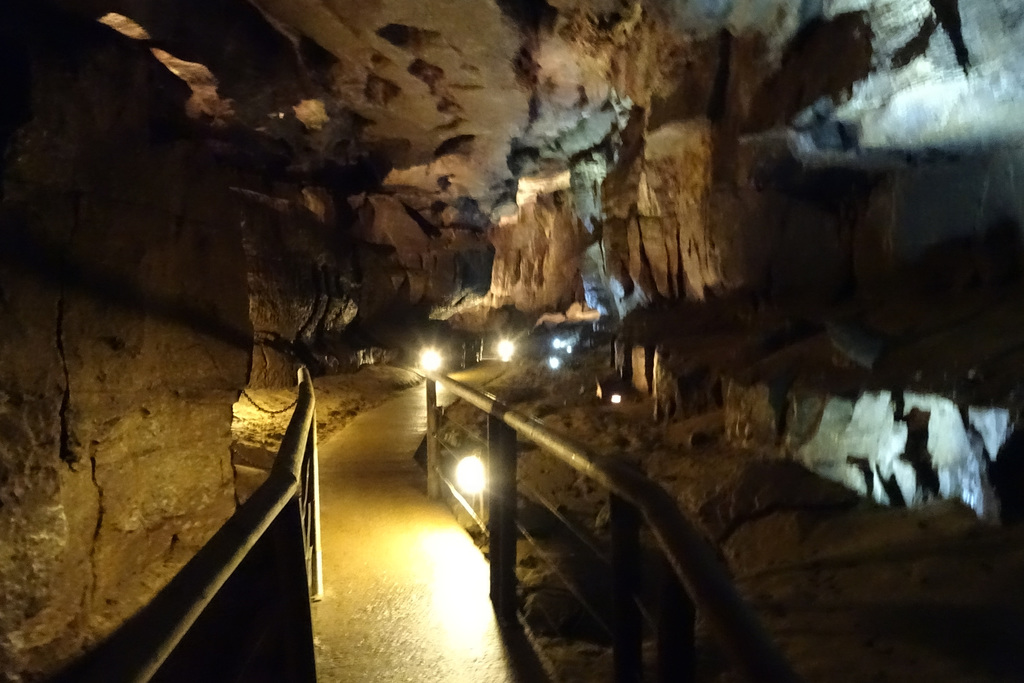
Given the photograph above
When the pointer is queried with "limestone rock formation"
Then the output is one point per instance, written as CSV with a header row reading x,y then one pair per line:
x,y
126,338
535,267
196,196
928,453
672,207
302,293
438,268
456,107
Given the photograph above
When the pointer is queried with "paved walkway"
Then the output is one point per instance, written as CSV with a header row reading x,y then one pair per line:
x,y
406,591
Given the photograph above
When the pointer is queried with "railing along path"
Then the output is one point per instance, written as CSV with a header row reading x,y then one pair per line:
x,y
239,609
698,581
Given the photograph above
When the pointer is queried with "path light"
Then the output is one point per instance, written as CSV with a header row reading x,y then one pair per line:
x,y
616,399
506,350
554,363
430,360
469,475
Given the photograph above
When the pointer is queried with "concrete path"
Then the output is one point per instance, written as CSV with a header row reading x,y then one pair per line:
x,y
406,591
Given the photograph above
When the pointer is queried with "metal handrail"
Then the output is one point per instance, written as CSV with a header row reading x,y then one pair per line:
x,y
136,651
737,628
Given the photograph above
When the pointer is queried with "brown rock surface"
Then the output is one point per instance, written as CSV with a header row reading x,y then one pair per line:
x,y
684,256
125,344
535,268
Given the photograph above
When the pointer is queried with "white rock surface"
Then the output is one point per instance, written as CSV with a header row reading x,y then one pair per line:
x,y
867,431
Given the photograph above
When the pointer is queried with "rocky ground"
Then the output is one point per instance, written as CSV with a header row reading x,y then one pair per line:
x,y
257,434
851,589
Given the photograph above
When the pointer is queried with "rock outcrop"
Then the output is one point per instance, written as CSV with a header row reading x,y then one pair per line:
x,y
427,264
303,290
125,339
536,266
925,453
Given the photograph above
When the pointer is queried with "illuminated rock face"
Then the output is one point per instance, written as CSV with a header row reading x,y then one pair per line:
x,y
678,200
125,339
925,453
141,263
536,268
135,263
672,205
741,214
456,105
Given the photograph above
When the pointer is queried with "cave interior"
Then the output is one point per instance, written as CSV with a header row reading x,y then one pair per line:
x,y
787,233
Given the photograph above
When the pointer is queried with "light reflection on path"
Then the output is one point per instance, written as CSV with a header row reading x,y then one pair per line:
x,y
406,591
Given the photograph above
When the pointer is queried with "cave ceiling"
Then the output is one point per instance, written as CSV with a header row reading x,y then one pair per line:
x,y
455,101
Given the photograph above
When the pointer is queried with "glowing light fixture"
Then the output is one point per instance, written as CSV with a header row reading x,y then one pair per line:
x,y
557,343
506,350
469,475
554,363
430,360
568,349
616,398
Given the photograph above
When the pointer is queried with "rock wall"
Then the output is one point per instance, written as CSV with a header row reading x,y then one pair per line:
x,y
124,339
689,169
429,264
688,188
303,288
675,229
962,217
601,89
671,233
537,263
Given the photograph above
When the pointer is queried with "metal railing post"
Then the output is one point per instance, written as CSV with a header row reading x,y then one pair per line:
x,y
635,498
316,566
433,454
626,577
501,522
676,632
297,627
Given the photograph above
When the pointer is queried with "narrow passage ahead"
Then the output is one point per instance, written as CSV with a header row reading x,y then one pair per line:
x,y
406,594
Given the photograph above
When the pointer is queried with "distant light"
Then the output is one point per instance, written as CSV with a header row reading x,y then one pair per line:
x,y
430,360
557,343
554,363
616,398
469,475
506,350
568,349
